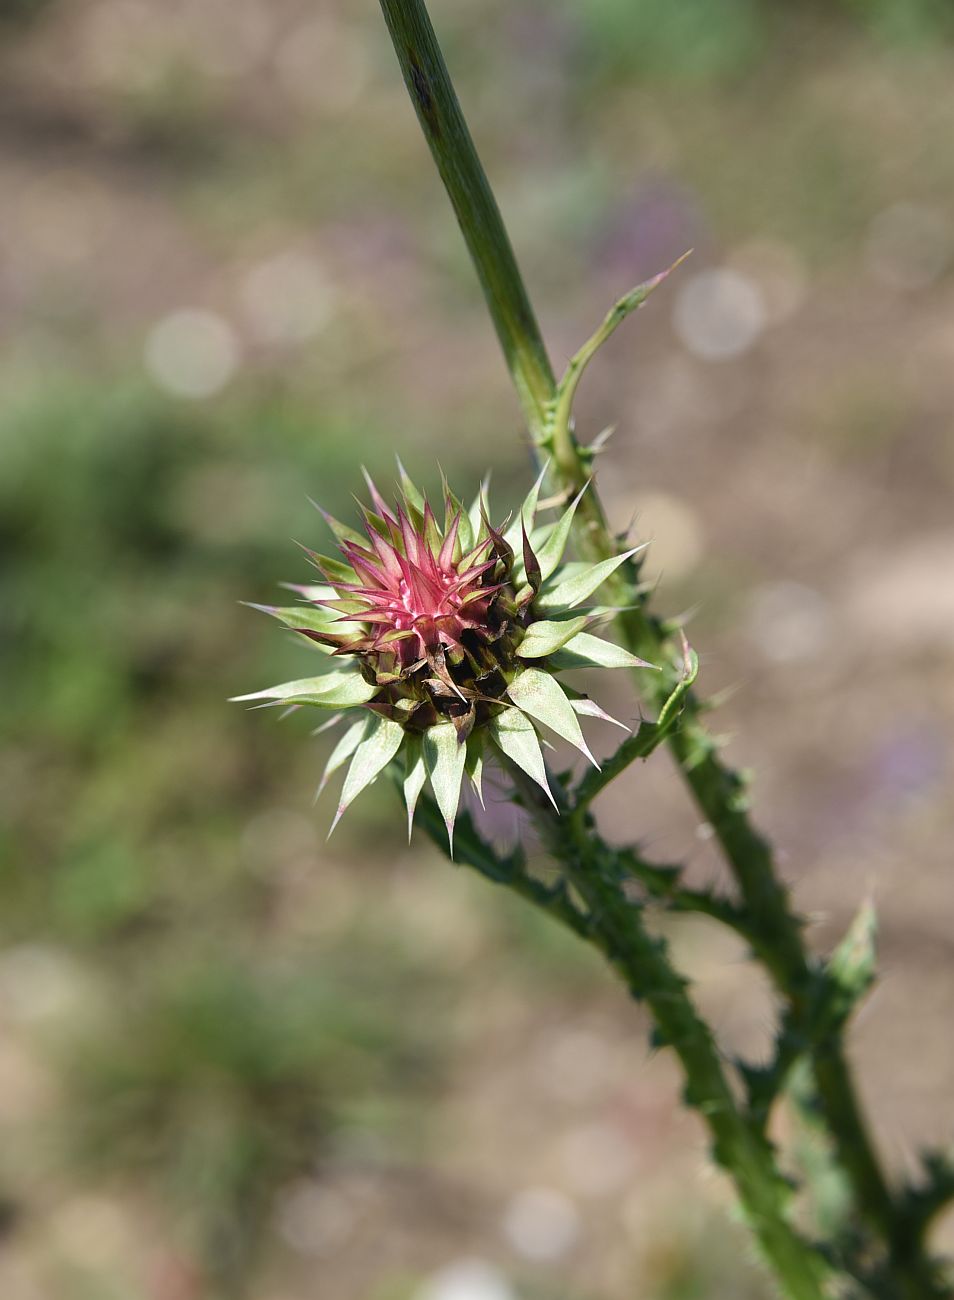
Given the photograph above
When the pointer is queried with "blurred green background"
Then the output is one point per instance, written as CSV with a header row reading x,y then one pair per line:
x,y
236,1061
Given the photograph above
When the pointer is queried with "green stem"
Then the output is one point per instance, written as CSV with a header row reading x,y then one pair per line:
x,y
616,928
718,791
648,736
445,130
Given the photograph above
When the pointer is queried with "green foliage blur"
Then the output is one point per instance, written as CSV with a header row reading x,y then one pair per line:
x,y
218,1062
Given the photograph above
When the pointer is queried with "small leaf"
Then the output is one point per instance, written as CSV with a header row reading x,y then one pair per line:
x,y
309,590
551,553
432,533
851,969
479,507
302,616
412,494
340,608
343,532
538,694
602,438
516,737
333,569
576,587
587,651
326,725
465,534
546,637
455,509
589,709
379,746
376,525
566,389
445,757
345,747
531,566
474,766
527,512
690,670
415,775
382,508
334,690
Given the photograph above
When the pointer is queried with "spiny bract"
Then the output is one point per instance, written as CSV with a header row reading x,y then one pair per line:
x,y
445,637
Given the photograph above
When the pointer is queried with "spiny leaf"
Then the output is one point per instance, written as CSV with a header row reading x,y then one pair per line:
x,y
333,569
474,765
412,494
343,532
851,968
602,438
415,775
587,651
302,616
577,587
327,724
309,590
445,757
531,565
345,747
551,552
333,690
432,533
546,637
589,709
480,506
527,512
455,508
566,389
379,746
539,694
382,511
690,671
516,737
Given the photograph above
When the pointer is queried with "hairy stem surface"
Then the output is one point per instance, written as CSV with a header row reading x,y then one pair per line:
x,y
616,927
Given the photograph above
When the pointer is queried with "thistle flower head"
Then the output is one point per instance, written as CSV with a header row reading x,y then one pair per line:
x,y
441,640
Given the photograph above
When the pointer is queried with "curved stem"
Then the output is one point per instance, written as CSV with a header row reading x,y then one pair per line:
x,y
718,791
616,928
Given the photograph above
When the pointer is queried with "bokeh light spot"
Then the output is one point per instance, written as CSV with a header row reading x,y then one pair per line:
x,y
192,353
719,314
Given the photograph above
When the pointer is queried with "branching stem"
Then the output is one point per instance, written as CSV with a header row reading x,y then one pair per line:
x,y
616,927
774,931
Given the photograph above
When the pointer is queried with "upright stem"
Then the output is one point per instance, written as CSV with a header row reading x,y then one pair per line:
x,y
718,791
445,130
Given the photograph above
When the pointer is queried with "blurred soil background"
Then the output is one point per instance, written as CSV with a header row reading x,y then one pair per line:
x,y
238,1062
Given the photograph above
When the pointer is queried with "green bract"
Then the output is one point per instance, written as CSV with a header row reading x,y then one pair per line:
x,y
441,639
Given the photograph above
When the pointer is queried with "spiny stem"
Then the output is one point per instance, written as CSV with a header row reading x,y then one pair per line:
x,y
616,928
718,791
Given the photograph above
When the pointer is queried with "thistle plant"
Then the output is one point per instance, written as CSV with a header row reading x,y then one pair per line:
x,y
448,638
